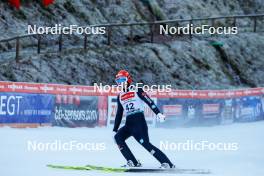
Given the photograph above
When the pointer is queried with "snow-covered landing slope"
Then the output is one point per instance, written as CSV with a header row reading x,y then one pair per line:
x,y
17,159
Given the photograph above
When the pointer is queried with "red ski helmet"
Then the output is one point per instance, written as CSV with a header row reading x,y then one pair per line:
x,y
123,76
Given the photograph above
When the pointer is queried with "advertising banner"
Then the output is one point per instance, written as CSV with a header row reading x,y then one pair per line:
x,y
200,112
75,111
175,111
249,108
102,109
73,106
190,112
209,109
26,108
172,110
228,111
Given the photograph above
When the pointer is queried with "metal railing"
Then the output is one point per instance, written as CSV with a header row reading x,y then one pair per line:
x,y
151,25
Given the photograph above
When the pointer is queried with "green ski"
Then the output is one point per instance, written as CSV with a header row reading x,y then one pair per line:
x,y
142,170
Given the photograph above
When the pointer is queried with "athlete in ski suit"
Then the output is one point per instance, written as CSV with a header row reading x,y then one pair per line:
x,y
132,103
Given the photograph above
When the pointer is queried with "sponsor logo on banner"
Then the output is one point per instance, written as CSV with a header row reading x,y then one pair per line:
x,y
102,108
76,111
10,105
211,108
247,111
26,108
172,110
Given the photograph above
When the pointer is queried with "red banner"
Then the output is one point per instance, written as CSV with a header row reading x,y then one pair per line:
x,y
93,91
47,2
16,3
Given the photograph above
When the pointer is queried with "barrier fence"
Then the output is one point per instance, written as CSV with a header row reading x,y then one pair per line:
x,y
33,104
111,26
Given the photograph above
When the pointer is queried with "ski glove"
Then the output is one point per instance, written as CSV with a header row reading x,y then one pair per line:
x,y
161,117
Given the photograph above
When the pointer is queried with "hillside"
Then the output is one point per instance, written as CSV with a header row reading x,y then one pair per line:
x,y
182,62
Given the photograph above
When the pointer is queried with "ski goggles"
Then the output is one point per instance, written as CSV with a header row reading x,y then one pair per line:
x,y
121,80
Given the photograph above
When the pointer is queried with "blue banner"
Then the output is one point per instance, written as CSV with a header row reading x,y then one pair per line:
x,y
249,109
26,108
200,112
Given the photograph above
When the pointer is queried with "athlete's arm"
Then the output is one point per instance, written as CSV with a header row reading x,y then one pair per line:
x,y
143,96
119,115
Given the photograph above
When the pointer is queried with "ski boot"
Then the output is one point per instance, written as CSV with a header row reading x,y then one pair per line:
x,y
131,164
166,166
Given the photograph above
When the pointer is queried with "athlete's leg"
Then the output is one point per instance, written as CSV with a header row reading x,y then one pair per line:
x,y
120,137
141,135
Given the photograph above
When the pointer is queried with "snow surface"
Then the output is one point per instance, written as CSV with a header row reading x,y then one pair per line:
x,y
17,160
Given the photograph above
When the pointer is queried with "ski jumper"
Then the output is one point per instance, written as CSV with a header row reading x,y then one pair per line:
x,y
132,104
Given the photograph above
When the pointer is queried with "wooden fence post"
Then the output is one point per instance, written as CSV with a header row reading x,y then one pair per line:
x,y
17,49
235,22
213,22
109,35
39,41
60,43
85,42
131,34
255,24
190,31
151,33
